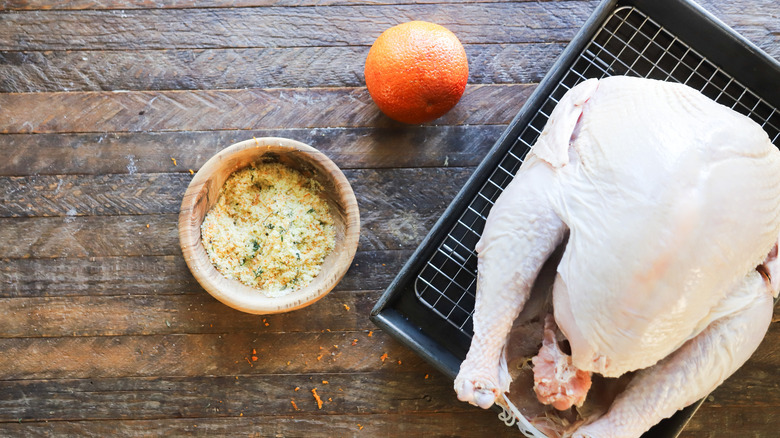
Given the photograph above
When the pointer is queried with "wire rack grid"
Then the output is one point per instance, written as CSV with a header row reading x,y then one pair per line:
x,y
629,43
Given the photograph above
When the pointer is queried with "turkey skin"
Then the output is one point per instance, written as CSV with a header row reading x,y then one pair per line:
x,y
669,207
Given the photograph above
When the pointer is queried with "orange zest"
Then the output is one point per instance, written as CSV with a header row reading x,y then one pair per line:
x,y
317,398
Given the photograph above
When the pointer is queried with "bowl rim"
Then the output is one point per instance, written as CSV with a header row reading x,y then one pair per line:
x,y
232,292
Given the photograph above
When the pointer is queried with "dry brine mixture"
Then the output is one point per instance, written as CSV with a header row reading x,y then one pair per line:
x,y
269,229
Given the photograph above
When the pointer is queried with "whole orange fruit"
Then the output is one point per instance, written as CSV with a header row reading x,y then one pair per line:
x,y
416,71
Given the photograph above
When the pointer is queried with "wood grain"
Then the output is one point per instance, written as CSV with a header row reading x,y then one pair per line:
x,y
481,423
161,193
108,397
140,111
157,275
252,394
194,69
232,396
285,27
393,216
193,313
188,4
354,25
151,152
110,236
77,236
224,354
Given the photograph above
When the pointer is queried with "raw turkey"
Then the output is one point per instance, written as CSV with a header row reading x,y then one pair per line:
x,y
669,207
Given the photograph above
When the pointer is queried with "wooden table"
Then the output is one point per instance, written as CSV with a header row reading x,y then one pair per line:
x,y
106,109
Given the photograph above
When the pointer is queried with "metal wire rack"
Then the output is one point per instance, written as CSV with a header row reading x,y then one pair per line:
x,y
629,43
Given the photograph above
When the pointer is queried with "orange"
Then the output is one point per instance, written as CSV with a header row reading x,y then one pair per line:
x,y
416,71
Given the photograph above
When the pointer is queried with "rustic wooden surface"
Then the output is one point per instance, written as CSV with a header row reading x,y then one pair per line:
x,y
104,332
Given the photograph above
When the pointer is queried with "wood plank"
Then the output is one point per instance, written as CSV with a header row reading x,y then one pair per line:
x,y
758,422
375,393
151,152
169,314
358,25
225,354
475,424
89,236
145,194
164,275
159,275
141,111
393,217
66,277
98,195
38,71
726,421
157,235
94,398
340,311
189,4
494,23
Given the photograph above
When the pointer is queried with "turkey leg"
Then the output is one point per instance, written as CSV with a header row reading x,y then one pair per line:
x,y
520,234
695,369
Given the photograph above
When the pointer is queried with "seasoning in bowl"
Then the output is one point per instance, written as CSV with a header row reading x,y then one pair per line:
x,y
269,229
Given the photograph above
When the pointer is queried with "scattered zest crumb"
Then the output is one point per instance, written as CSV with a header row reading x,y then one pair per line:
x,y
174,161
325,382
383,357
147,225
370,333
399,362
354,342
346,307
319,357
298,387
360,427
256,142
254,358
426,376
192,172
294,405
317,398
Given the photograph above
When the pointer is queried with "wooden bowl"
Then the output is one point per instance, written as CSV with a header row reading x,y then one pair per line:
x,y
203,192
